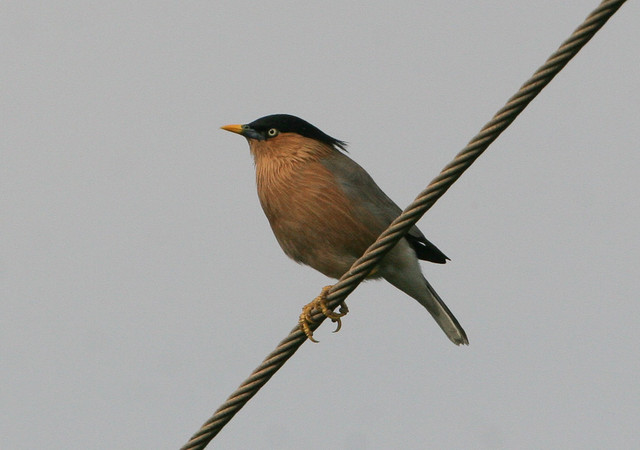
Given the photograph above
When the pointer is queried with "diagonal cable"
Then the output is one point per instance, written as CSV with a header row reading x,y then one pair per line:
x,y
398,228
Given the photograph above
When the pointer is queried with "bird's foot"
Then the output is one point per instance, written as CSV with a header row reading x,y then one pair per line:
x,y
320,303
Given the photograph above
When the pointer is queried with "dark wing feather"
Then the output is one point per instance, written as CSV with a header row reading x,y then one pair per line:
x,y
425,250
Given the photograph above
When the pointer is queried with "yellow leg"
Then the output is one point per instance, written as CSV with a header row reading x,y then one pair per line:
x,y
320,303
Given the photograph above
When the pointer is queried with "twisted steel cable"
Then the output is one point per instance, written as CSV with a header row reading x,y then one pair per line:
x,y
385,242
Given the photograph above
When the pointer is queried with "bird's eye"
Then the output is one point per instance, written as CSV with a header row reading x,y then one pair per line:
x,y
272,132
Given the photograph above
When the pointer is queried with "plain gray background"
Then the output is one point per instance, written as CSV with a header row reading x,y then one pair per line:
x,y
141,282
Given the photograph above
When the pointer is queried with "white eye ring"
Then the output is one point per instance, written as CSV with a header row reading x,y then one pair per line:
x,y
272,132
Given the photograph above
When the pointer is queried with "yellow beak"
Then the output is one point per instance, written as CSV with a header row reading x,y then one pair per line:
x,y
233,128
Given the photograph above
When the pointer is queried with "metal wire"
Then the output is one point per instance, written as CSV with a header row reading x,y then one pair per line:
x,y
363,266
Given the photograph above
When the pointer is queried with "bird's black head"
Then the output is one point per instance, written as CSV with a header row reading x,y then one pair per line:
x,y
270,126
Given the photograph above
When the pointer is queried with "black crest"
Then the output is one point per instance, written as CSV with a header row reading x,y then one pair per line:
x,y
286,123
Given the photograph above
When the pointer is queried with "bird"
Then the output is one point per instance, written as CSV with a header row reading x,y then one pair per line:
x,y
325,210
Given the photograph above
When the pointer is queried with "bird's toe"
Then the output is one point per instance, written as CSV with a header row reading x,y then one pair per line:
x,y
320,304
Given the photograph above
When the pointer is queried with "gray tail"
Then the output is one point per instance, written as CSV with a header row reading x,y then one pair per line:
x,y
410,280
443,316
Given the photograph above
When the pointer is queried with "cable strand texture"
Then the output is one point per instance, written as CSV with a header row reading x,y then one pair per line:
x,y
363,266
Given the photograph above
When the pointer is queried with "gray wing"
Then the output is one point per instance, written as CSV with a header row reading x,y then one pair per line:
x,y
371,201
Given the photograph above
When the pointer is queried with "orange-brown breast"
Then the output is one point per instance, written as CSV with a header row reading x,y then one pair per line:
x,y
312,219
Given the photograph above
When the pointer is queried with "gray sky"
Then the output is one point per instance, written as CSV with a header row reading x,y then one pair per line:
x,y
141,282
